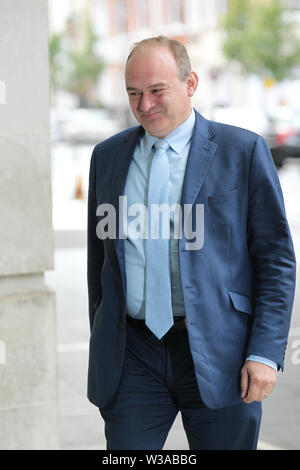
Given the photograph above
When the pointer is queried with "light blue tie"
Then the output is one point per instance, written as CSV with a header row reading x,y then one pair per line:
x,y
158,304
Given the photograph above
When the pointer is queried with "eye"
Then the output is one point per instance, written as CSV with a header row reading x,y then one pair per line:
x,y
156,90
134,93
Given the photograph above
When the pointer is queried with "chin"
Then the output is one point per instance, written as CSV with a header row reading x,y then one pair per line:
x,y
156,129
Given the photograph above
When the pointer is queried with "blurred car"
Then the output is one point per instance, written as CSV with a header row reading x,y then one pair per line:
x,y
281,130
57,117
84,125
253,119
283,135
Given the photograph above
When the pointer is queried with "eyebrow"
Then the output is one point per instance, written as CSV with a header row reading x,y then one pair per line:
x,y
155,85
160,84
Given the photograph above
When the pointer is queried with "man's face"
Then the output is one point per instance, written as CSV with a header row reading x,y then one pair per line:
x,y
159,100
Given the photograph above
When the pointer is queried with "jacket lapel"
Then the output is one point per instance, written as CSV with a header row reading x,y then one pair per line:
x,y
201,154
122,162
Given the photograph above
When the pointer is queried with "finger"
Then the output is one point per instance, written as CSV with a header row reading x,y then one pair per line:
x,y
244,382
264,393
266,388
253,392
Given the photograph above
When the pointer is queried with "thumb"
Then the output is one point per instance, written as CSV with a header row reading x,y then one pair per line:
x,y
244,381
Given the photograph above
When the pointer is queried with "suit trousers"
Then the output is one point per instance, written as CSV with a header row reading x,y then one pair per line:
x,y
158,381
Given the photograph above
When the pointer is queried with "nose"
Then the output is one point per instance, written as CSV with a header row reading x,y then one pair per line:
x,y
146,103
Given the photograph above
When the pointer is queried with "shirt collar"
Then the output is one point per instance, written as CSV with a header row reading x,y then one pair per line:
x,y
177,139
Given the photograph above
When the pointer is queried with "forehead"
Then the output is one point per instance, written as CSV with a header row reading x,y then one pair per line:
x,y
150,65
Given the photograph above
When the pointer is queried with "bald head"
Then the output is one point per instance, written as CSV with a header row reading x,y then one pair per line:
x,y
176,48
159,96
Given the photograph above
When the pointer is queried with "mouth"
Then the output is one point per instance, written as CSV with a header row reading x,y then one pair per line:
x,y
150,115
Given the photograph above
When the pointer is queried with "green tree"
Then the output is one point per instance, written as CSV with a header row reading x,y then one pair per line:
x,y
55,50
74,65
85,68
260,38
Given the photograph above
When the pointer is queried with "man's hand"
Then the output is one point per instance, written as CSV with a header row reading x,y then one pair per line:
x,y
257,381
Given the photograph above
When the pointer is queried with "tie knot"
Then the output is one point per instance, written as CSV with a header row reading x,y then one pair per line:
x,y
161,144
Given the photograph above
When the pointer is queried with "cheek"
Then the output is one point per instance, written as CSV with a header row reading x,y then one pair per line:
x,y
164,103
133,103
134,107
170,102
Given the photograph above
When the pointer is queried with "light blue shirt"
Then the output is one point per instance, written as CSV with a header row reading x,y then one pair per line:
x,y
136,189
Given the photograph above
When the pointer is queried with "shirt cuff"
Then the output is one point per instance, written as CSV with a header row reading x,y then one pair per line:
x,y
263,360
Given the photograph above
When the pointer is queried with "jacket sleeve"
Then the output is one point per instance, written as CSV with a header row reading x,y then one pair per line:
x,y
95,253
273,259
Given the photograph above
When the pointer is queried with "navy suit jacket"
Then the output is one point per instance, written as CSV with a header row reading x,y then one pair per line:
x,y
238,288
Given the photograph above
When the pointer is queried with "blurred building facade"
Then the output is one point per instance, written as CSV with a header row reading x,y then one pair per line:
x,y
198,24
121,23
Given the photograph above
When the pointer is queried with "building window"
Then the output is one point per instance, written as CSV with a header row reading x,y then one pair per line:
x,y
143,13
292,4
123,16
177,11
221,7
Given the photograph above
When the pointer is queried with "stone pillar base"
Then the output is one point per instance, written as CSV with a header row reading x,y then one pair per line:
x,y
28,366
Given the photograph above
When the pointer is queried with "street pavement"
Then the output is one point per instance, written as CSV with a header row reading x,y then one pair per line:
x,y
81,426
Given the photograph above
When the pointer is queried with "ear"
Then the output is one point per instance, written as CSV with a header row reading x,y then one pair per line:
x,y
191,83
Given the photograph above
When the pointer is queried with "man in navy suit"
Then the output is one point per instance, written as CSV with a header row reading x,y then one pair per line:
x,y
198,323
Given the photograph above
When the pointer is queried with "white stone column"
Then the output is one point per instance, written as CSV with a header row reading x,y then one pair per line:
x,y
28,361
